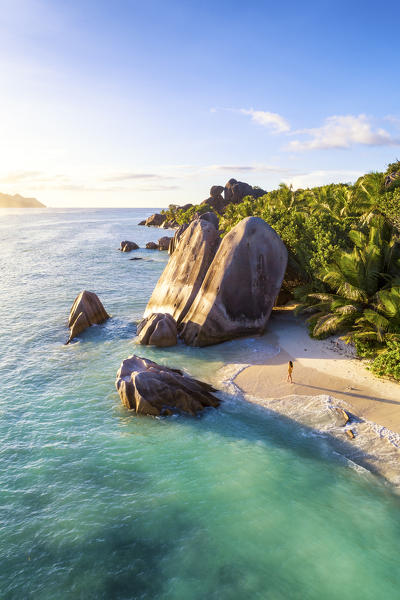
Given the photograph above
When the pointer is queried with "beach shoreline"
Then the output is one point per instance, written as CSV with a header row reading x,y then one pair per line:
x,y
327,379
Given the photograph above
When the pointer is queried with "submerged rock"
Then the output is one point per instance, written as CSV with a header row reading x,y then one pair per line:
x,y
128,246
163,243
186,268
158,329
152,246
152,389
240,287
86,310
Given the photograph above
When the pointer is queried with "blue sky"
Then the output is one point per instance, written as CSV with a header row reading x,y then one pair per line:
x,y
128,103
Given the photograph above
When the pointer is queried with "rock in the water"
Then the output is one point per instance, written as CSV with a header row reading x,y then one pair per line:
x,y
142,222
182,277
175,240
152,246
128,246
136,258
152,389
86,310
240,287
158,329
163,243
155,220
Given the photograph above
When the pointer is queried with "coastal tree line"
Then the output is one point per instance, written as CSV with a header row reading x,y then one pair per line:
x,y
344,257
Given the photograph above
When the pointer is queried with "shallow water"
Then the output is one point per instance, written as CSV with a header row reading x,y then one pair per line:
x,y
98,503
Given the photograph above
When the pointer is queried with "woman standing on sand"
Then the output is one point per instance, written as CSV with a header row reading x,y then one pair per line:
x,y
290,370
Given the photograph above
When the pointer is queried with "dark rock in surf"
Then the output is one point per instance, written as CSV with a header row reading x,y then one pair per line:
x,y
128,246
86,310
152,389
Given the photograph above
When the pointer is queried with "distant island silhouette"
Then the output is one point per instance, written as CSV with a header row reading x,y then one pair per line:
x,y
17,201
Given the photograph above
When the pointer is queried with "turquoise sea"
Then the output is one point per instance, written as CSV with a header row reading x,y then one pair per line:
x,y
96,503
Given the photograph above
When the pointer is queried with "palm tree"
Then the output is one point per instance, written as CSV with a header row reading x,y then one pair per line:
x,y
361,303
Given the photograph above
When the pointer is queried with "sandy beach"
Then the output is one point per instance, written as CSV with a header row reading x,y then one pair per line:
x,y
320,367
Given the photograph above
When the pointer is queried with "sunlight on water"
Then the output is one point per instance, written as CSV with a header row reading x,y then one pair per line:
x,y
97,503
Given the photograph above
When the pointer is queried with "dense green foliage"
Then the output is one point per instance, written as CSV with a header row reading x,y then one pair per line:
x,y
388,361
344,258
174,213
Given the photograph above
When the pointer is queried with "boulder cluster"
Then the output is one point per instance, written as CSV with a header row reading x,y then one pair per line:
x,y
220,196
216,290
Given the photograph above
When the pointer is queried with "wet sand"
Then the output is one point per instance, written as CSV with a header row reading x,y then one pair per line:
x,y
320,367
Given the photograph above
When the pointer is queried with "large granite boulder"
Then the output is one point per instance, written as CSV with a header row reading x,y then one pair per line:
x,y
216,191
86,310
128,246
235,191
184,273
151,246
152,389
175,240
240,287
163,243
158,329
155,220
211,217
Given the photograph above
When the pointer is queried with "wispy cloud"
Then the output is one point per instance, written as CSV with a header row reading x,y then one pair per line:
x,y
276,123
248,168
133,176
322,177
342,131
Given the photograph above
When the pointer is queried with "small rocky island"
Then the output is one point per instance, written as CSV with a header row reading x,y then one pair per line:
x,y
17,201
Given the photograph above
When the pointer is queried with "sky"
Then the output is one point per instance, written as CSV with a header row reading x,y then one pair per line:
x,y
129,103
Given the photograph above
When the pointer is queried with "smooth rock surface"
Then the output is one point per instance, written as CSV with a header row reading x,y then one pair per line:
x,y
185,271
158,329
152,389
175,240
86,310
240,287
211,217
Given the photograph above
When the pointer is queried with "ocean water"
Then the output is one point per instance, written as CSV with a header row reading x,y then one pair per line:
x,y
96,503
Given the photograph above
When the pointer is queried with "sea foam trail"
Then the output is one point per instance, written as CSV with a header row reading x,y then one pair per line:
x,y
373,448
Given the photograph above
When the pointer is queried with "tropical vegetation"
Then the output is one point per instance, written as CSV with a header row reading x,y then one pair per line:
x,y
344,258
